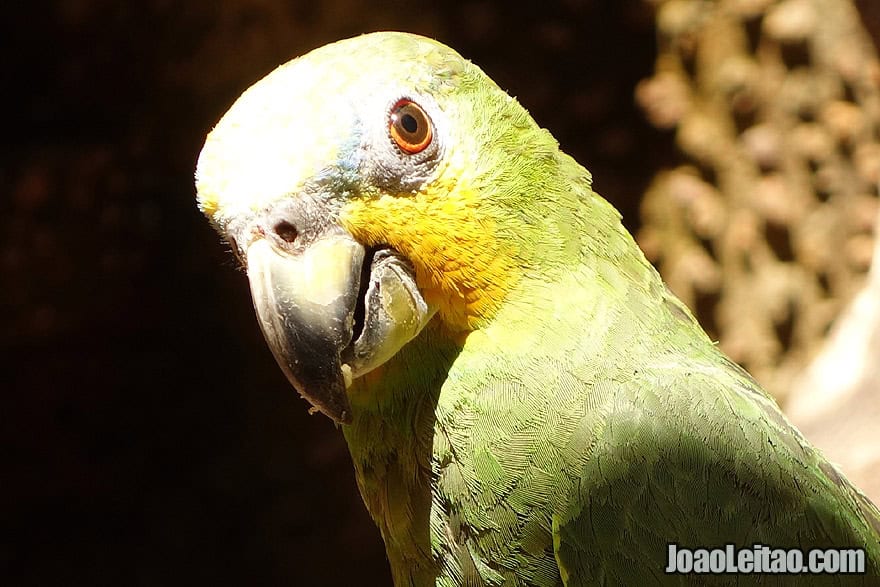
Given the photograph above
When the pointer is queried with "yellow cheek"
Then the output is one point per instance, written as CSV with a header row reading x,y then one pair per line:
x,y
460,265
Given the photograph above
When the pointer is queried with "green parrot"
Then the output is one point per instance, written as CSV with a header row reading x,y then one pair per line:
x,y
524,401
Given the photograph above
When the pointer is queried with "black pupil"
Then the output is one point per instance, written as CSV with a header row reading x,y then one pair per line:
x,y
409,123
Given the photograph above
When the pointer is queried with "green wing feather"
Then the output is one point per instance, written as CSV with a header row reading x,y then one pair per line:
x,y
567,469
712,462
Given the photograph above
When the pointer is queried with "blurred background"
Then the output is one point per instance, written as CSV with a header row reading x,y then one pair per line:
x,y
149,437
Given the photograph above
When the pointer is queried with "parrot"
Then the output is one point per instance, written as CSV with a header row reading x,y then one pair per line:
x,y
524,401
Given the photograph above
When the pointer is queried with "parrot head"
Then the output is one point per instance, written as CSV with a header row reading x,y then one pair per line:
x,y
374,185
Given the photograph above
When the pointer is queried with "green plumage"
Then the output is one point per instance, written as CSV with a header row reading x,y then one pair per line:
x,y
586,421
590,423
614,429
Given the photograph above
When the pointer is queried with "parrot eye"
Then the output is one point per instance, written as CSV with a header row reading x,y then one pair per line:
x,y
410,127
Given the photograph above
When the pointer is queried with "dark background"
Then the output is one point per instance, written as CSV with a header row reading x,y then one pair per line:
x,y
149,437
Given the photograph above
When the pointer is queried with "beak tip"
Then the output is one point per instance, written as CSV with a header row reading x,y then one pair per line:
x,y
342,417
327,393
335,406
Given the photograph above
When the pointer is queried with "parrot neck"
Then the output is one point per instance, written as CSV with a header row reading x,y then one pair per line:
x,y
391,441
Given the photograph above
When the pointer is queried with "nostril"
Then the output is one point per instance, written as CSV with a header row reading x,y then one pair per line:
x,y
285,231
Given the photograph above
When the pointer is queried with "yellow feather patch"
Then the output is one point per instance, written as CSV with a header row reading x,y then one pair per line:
x,y
461,266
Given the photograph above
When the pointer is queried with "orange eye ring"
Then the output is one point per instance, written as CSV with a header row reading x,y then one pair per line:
x,y
410,127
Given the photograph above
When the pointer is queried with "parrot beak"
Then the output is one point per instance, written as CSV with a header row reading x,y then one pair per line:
x,y
305,305
330,309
